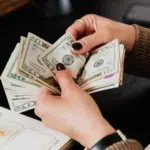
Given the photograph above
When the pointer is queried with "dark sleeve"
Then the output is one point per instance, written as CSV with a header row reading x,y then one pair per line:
x,y
126,145
138,61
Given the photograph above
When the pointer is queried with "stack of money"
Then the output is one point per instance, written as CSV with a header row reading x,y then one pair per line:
x,y
33,62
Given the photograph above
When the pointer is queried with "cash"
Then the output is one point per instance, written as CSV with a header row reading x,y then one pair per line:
x,y
33,61
20,91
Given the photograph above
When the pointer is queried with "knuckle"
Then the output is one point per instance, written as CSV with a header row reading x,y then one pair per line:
x,y
85,43
69,28
89,16
77,24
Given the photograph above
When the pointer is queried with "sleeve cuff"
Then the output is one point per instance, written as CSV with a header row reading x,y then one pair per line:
x,y
126,145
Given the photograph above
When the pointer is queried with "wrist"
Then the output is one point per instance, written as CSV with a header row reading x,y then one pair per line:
x,y
126,35
96,133
130,39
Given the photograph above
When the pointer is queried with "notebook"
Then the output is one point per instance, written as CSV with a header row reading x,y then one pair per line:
x,y
18,132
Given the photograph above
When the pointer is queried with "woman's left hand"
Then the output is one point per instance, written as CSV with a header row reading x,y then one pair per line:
x,y
74,113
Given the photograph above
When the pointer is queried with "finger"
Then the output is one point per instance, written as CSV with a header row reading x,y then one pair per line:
x,y
44,98
64,78
85,44
44,92
77,29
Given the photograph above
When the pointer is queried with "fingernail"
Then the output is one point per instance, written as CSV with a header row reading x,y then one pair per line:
x,y
77,46
60,67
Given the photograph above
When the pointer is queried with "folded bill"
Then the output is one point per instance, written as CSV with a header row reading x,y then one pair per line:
x,y
108,82
102,62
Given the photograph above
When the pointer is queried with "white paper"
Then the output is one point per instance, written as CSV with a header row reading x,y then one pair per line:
x,y
24,133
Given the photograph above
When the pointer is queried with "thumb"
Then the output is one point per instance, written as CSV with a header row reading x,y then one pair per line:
x,y
64,78
86,43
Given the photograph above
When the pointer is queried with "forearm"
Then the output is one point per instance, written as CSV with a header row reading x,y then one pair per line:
x,y
138,60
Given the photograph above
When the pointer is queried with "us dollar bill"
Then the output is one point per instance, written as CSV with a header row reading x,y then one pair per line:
x,y
111,81
20,72
31,64
21,47
22,106
9,74
102,62
61,52
13,83
13,89
98,89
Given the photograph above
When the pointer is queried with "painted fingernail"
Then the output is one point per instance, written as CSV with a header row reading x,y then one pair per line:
x,y
60,67
76,46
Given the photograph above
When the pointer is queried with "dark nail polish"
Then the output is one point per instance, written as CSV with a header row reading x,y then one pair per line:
x,y
60,67
77,46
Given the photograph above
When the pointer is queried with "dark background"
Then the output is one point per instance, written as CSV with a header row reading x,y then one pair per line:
x,y
127,107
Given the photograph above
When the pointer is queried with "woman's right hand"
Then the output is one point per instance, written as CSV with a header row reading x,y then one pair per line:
x,y
92,30
74,113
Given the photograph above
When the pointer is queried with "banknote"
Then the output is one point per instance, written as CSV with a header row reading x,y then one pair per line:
x,y
21,47
18,102
31,65
20,107
18,71
13,90
10,75
102,62
12,83
99,89
61,52
112,81
18,89
33,61
114,78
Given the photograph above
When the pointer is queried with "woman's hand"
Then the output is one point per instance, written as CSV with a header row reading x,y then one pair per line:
x,y
92,30
74,113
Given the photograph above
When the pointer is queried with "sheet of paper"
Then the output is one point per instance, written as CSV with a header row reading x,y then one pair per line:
x,y
24,133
